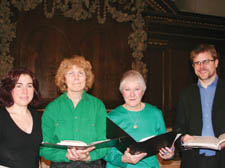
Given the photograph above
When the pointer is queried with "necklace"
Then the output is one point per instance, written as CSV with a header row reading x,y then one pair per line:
x,y
135,126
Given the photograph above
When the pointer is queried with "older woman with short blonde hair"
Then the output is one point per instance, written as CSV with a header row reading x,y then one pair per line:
x,y
139,120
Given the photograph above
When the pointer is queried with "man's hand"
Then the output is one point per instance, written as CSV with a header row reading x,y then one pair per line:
x,y
186,137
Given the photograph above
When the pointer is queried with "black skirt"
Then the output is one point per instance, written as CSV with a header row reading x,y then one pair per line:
x,y
77,164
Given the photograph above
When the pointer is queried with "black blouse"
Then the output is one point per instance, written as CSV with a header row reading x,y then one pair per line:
x,y
19,149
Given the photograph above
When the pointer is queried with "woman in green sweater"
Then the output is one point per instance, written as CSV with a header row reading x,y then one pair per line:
x,y
75,115
139,120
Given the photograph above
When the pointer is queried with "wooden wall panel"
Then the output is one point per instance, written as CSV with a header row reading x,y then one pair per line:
x,y
154,59
182,75
41,50
42,43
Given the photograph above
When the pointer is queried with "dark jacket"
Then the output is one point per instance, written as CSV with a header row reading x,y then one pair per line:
x,y
189,120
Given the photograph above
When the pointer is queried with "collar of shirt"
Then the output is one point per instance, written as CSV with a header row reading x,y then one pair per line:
x,y
213,84
84,96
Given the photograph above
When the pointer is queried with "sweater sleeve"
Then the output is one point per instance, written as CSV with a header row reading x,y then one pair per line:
x,y
161,123
114,157
48,129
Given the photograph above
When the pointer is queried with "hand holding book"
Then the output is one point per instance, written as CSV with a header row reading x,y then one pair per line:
x,y
208,142
167,153
132,158
75,154
150,145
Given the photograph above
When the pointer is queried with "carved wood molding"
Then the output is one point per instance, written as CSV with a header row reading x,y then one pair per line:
x,y
163,6
195,22
166,12
157,42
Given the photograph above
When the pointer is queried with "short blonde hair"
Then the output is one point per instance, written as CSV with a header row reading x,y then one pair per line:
x,y
132,74
204,48
67,64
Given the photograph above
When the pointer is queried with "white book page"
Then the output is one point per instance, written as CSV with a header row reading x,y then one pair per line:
x,y
221,138
177,136
146,138
72,143
203,141
80,143
97,142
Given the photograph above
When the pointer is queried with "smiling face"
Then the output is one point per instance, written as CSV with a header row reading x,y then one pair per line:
x,y
132,92
23,91
205,72
75,79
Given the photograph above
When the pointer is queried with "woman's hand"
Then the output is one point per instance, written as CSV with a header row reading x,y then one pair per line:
x,y
78,154
132,159
166,153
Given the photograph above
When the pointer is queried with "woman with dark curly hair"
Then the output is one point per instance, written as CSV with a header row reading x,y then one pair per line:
x,y
75,115
20,124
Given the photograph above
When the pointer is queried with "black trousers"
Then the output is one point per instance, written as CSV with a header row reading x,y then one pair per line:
x,y
207,162
77,164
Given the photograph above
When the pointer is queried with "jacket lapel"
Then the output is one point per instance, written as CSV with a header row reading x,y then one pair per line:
x,y
197,110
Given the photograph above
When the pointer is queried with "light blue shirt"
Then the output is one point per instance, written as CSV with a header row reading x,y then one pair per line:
x,y
207,97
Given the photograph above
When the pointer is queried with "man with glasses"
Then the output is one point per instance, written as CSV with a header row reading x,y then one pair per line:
x,y
201,110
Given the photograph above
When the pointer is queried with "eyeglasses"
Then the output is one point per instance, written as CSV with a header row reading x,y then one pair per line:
x,y
204,62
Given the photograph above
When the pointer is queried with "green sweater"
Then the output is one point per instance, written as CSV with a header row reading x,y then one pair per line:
x,y
61,121
149,122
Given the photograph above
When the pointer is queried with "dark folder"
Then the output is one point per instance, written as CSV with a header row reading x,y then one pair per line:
x,y
151,145
98,144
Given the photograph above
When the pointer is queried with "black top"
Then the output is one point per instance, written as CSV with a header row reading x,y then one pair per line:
x,y
19,149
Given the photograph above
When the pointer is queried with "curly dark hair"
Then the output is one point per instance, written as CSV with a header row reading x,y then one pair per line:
x,y
9,82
